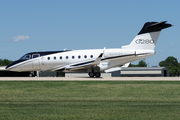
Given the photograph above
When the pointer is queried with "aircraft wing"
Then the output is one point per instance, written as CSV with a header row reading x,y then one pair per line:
x,y
85,65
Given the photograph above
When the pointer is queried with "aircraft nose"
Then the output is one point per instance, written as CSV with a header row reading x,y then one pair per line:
x,y
10,66
7,67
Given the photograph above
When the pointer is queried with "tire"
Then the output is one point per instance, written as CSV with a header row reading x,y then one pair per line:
x,y
98,74
30,75
91,74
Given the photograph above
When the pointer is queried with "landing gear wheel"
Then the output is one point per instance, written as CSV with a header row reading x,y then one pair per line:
x,y
91,74
98,74
30,75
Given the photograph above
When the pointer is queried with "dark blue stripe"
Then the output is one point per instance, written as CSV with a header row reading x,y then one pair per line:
x,y
15,62
109,58
83,63
46,53
117,57
31,53
102,59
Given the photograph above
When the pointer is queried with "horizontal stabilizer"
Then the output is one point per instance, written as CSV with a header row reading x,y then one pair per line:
x,y
158,23
154,27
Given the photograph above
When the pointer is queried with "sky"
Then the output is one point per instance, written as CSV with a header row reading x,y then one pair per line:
x,y
53,25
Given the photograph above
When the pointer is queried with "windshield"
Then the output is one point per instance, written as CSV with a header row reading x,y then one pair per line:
x,y
25,57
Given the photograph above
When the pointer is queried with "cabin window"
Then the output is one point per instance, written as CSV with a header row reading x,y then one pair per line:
x,y
54,58
79,56
48,58
60,57
85,56
72,57
91,56
66,57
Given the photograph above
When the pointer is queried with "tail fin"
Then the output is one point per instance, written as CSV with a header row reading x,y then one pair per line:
x,y
148,36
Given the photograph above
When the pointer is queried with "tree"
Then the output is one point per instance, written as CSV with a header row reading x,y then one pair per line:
x,y
0,62
4,62
132,65
172,64
140,64
170,61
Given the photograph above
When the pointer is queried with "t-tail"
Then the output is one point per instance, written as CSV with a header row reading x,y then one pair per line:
x,y
148,36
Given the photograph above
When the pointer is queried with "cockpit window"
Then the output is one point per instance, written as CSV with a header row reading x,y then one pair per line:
x,y
35,55
25,57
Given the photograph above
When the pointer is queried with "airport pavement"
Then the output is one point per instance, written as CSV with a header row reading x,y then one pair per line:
x,y
89,79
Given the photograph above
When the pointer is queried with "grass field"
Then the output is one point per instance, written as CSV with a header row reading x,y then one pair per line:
x,y
134,100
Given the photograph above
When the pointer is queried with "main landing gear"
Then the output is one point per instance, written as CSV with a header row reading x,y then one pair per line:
x,y
96,74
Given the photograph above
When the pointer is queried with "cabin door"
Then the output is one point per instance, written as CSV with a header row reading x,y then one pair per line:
x,y
35,63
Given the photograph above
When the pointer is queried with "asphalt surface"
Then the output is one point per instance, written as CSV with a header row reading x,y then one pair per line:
x,y
89,79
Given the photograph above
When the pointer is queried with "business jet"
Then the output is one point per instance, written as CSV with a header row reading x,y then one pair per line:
x,y
93,61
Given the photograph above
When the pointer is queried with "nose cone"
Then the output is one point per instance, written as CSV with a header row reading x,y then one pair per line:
x,y
10,65
13,66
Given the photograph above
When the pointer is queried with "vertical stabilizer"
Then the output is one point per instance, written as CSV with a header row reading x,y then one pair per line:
x,y
148,36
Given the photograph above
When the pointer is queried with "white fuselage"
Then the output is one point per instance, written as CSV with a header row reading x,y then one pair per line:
x,y
60,61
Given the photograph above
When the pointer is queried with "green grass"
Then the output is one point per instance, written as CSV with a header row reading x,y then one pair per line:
x,y
89,100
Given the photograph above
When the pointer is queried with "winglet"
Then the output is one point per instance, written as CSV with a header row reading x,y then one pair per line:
x,y
116,68
98,60
126,65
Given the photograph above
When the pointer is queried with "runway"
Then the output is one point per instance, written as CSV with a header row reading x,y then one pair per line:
x,y
89,79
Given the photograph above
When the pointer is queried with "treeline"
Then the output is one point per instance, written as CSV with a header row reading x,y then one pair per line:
x,y
140,64
170,63
5,62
